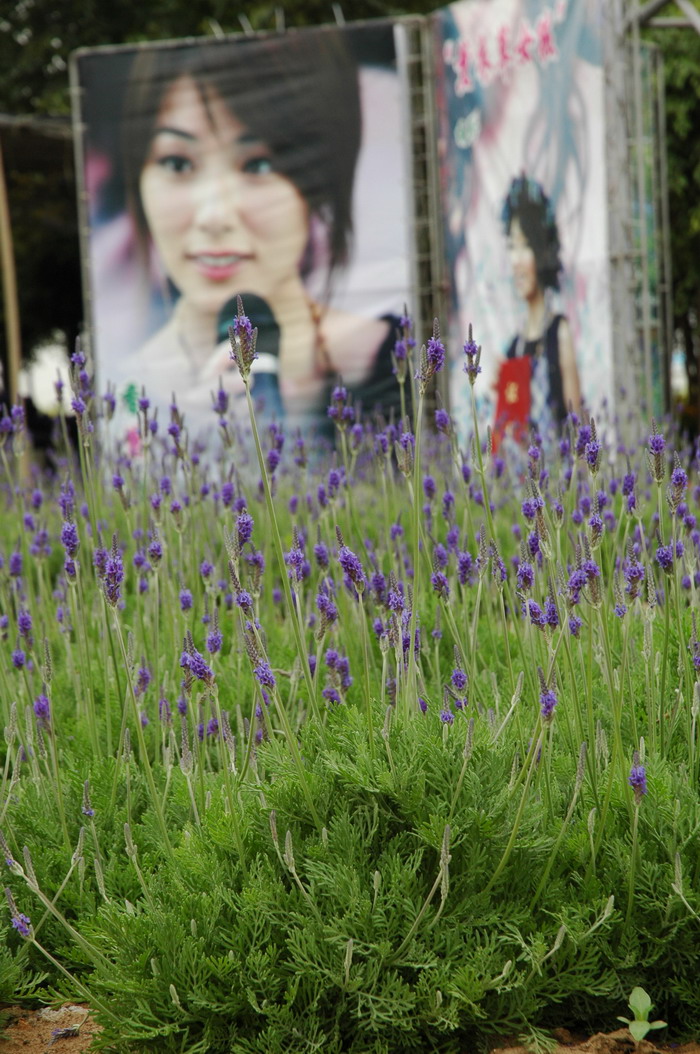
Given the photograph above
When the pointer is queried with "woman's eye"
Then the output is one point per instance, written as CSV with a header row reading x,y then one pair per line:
x,y
175,163
258,166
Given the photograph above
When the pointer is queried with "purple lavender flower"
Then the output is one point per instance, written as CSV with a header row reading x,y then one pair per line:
x,y
637,780
264,675
459,679
592,455
339,411
42,710
321,555
446,716
114,575
664,558
243,338
442,421
244,601
24,624
143,679
440,584
536,614
352,567
525,576
18,658
548,702
432,358
657,443
464,567
244,527
655,455
185,600
194,661
472,351
22,923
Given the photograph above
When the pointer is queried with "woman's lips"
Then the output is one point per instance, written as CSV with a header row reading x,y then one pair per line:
x,y
218,266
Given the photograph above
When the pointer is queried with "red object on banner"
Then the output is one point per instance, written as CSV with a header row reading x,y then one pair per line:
x,y
513,398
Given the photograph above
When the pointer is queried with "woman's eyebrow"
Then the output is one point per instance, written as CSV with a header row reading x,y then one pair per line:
x,y
167,130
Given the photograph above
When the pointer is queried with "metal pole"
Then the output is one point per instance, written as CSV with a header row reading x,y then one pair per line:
x,y
640,15
9,290
667,300
691,13
641,218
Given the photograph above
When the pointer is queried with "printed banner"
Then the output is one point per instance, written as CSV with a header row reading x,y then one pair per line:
x,y
523,180
272,168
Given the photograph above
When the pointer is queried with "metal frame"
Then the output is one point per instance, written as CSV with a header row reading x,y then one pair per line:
x,y
656,306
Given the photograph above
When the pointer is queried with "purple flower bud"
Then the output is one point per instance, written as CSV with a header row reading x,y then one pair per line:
x,y
352,567
442,421
113,576
459,679
22,923
70,539
637,779
264,675
42,710
244,527
548,702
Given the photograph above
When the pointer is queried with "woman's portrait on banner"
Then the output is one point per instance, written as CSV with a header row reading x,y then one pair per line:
x,y
258,168
538,382
522,134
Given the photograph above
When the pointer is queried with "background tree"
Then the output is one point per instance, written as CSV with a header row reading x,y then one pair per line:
x,y
681,53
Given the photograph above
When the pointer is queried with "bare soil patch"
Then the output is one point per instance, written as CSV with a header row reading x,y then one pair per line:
x,y
47,1032
619,1042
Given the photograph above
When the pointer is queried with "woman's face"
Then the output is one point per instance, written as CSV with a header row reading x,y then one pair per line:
x,y
223,221
523,263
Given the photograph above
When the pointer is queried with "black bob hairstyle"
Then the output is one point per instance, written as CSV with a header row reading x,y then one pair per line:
x,y
529,205
298,94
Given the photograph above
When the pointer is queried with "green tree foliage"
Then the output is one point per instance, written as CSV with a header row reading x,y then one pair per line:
x,y
37,36
681,54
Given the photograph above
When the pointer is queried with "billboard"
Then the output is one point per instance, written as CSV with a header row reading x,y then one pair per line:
x,y
524,187
274,168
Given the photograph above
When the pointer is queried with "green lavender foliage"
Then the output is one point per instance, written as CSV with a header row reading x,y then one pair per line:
x,y
359,876
259,965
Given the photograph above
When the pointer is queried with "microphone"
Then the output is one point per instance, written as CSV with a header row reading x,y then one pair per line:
x,y
265,368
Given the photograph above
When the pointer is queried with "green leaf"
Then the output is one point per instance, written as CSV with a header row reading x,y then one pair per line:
x,y
640,1004
639,1030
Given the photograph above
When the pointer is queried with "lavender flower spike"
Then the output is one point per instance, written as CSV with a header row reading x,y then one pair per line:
x,y
243,340
638,779
350,564
472,351
432,358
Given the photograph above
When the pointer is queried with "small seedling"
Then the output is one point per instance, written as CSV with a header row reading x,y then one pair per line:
x,y
640,1004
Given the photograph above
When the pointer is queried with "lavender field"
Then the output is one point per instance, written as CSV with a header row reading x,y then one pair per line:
x,y
389,749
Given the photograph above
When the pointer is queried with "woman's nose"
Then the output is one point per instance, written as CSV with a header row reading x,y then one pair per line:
x,y
217,201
